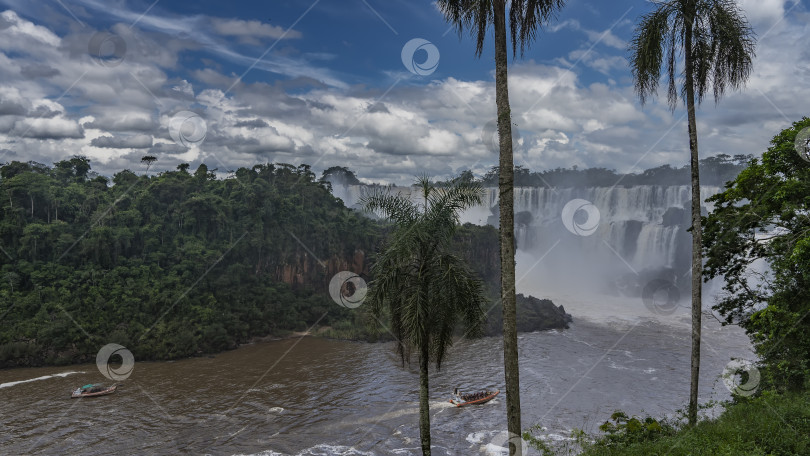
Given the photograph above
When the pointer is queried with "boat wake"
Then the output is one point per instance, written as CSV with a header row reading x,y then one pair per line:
x,y
44,377
318,450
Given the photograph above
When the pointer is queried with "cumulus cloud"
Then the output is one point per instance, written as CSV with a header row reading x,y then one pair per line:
x,y
765,12
46,128
252,123
115,115
251,31
123,142
18,30
38,70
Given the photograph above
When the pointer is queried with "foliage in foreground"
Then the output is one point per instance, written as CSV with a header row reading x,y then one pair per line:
x,y
763,218
771,424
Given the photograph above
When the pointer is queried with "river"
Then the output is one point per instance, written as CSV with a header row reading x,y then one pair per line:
x,y
310,396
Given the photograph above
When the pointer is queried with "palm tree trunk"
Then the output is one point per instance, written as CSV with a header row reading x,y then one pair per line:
x,y
697,260
424,404
506,199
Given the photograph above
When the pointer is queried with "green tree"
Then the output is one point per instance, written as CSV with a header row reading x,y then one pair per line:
x,y
148,160
339,175
525,17
718,48
118,255
425,288
763,215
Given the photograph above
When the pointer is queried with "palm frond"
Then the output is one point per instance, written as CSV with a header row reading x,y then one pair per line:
x,y
733,48
723,48
447,203
426,290
526,17
472,15
652,38
396,207
461,296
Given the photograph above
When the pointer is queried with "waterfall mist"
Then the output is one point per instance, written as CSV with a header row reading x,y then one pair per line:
x,y
627,248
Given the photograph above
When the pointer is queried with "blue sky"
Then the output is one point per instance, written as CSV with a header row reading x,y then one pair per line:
x,y
324,83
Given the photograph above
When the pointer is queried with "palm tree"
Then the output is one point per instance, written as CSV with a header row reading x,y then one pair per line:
x,y
525,17
718,48
424,287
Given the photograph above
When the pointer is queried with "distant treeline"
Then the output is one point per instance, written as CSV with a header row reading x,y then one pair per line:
x,y
169,265
715,171
179,263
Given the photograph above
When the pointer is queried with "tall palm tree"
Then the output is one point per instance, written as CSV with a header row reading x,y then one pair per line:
x,y
525,17
718,48
424,287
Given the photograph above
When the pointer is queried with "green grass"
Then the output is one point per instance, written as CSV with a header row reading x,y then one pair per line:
x,y
771,425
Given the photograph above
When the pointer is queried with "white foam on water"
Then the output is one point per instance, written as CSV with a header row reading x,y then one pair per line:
x,y
476,437
558,437
494,450
44,377
317,450
441,405
493,443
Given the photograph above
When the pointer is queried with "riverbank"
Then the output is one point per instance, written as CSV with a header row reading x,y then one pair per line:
x,y
534,315
767,425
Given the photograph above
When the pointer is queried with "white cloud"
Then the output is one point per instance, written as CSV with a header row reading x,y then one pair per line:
x,y
16,30
250,31
764,12
117,114
47,128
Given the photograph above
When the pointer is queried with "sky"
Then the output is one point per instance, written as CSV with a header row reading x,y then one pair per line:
x,y
384,87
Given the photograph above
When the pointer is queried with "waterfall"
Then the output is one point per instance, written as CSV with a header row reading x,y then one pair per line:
x,y
593,234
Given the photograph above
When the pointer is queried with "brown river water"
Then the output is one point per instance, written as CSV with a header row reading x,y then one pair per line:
x,y
310,396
